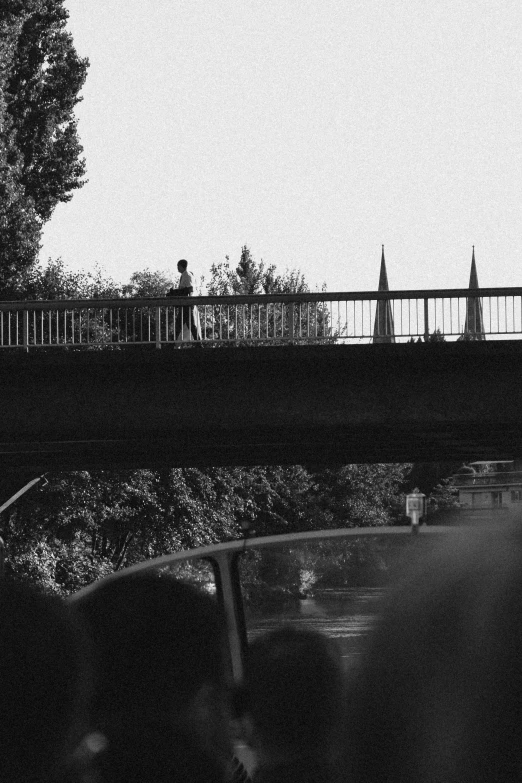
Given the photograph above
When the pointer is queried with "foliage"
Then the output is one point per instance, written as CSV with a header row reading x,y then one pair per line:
x,y
468,337
434,337
427,475
19,224
275,578
443,498
258,320
80,526
44,80
55,281
251,277
148,283
40,164
434,479
358,495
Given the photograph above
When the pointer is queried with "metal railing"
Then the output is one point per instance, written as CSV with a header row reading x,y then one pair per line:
x,y
505,478
386,316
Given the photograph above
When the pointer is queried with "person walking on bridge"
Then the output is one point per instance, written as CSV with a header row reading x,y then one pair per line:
x,y
187,326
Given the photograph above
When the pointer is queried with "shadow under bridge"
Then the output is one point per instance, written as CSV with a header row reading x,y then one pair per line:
x,y
308,404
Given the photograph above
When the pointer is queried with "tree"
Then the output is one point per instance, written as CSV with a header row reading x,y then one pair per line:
x,y
357,496
442,499
82,525
251,277
19,224
56,281
41,76
148,283
44,80
428,475
249,324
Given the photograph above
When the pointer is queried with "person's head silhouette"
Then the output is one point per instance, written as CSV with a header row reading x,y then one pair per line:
x,y
439,694
44,685
160,696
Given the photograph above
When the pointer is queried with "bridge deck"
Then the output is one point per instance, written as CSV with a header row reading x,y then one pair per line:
x,y
65,410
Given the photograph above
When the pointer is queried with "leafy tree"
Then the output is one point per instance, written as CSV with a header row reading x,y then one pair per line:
x,y
251,277
443,498
19,224
56,281
44,80
250,323
428,475
357,496
40,164
81,526
148,283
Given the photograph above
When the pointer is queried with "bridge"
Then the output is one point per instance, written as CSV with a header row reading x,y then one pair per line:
x,y
309,378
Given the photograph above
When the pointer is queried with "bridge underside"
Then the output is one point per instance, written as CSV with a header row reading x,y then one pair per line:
x,y
133,408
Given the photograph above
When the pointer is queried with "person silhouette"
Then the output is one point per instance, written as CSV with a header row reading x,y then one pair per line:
x,y
45,687
187,324
438,696
161,697
291,705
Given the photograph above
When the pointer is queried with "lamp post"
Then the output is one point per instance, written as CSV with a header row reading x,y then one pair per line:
x,y
415,508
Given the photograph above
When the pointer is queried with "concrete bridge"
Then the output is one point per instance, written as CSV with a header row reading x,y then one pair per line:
x,y
140,407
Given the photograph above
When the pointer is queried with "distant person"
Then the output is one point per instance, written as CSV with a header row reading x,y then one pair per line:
x,y
187,324
44,689
291,703
438,698
161,680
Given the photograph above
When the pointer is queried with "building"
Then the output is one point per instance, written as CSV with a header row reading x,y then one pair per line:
x,y
488,489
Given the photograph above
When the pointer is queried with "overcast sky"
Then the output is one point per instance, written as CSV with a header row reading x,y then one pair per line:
x,y
312,130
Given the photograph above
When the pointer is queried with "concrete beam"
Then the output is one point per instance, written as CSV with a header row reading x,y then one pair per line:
x,y
65,410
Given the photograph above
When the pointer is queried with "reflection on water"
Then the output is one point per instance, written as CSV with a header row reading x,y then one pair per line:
x,y
346,615
333,585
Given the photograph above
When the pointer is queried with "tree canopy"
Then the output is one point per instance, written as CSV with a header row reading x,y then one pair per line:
x,y
251,277
41,76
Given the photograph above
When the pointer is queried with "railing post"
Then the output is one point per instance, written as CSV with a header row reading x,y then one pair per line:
x,y
291,313
426,322
158,327
25,329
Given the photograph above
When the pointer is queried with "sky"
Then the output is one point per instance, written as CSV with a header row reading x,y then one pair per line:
x,y
313,131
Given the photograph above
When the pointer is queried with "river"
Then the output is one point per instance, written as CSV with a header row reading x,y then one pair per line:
x,y
346,615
